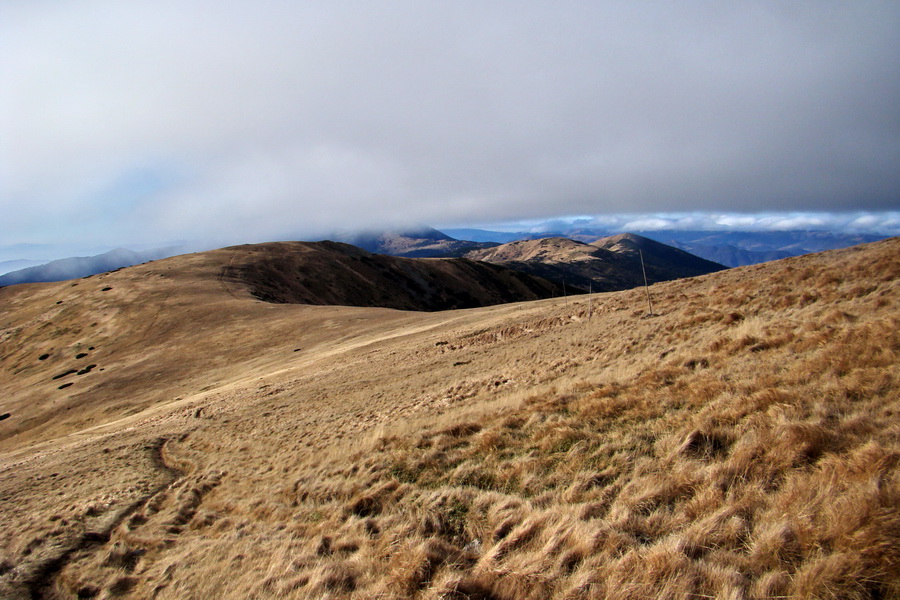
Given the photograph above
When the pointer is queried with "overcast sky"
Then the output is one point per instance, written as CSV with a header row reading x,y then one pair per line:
x,y
246,121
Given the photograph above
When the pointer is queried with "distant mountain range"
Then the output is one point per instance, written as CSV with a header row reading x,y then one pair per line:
x,y
728,248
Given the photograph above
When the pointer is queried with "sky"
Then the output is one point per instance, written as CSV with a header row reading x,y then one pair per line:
x,y
144,122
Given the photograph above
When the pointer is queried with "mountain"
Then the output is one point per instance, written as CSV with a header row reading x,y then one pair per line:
x,y
83,266
166,434
485,236
423,242
606,265
662,262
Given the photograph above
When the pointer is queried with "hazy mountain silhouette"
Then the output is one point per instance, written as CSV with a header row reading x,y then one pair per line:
x,y
83,266
8,266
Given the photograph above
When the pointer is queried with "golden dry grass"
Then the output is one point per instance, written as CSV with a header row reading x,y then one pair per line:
x,y
744,443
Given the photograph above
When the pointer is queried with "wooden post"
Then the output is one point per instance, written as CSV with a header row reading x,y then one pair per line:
x,y
646,285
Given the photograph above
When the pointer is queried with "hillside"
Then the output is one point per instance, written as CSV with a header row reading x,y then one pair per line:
x,y
743,443
330,273
609,264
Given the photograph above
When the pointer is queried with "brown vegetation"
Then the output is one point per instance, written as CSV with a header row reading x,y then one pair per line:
x,y
743,443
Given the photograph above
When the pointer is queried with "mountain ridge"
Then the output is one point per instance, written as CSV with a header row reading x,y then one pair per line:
x,y
607,264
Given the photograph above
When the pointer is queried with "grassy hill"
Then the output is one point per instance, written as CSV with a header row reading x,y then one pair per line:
x,y
79,353
742,443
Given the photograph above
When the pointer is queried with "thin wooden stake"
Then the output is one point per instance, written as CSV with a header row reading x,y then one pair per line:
x,y
590,299
646,285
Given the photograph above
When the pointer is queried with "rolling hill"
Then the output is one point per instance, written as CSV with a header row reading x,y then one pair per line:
x,y
166,434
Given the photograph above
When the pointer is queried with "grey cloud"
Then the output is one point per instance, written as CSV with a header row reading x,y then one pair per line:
x,y
277,118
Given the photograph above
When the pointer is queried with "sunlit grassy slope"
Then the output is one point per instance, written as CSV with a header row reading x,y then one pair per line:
x,y
743,442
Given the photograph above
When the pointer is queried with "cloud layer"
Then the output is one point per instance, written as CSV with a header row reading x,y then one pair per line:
x,y
168,119
885,223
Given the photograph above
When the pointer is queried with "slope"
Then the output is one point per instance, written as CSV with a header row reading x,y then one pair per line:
x,y
743,444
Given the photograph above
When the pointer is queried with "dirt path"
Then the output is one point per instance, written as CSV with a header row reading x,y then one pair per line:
x,y
40,585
